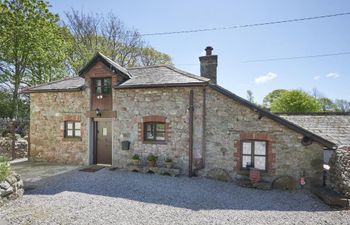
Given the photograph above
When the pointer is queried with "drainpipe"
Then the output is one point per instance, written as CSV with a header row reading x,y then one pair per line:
x,y
190,125
203,127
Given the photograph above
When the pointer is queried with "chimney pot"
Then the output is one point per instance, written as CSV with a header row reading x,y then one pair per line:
x,y
208,50
209,65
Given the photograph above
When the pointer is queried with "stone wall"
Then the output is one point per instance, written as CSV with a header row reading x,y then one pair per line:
x,y
339,173
48,112
11,188
21,147
135,106
229,122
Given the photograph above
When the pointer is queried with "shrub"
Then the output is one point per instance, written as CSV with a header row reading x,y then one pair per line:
x,y
152,157
4,168
136,157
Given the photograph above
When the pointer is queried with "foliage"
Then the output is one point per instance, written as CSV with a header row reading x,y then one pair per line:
x,y
152,158
4,168
33,46
342,105
108,35
272,96
295,101
136,157
5,105
327,105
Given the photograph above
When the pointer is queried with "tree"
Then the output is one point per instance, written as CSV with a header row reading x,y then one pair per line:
x,y
32,45
108,35
250,96
295,101
327,104
342,105
272,96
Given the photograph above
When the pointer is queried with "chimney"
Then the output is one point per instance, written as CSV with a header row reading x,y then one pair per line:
x,y
209,63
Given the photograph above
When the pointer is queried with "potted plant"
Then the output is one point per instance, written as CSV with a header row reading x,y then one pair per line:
x,y
168,163
136,159
152,159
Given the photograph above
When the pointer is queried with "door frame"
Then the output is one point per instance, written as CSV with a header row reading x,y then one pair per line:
x,y
94,138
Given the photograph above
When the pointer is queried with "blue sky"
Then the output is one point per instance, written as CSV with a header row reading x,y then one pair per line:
x,y
330,75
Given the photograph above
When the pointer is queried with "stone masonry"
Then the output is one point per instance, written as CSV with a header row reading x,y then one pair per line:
x,y
339,174
47,115
11,188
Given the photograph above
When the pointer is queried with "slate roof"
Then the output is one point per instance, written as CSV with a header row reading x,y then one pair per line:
x,y
67,84
162,75
334,127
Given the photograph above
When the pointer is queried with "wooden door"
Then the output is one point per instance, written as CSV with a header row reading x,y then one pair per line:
x,y
103,142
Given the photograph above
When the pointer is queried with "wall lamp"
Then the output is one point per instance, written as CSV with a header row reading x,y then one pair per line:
x,y
98,112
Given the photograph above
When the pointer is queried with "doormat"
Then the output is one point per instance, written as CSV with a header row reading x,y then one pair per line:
x,y
91,169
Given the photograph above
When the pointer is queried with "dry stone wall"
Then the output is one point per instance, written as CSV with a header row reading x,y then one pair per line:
x,y
339,173
11,188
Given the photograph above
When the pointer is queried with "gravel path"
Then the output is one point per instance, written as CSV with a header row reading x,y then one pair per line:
x,y
118,197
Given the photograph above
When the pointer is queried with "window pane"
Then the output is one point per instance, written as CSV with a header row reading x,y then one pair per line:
x,y
77,133
160,126
98,90
260,148
246,161
77,125
149,136
148,127
98,83
160,136
69,126
247,148
260,162
70,133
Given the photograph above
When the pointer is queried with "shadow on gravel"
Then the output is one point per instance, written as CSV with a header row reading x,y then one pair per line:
x,y
183,192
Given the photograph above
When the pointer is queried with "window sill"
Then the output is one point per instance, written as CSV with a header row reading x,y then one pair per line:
x,y
244,171
72,139
155,142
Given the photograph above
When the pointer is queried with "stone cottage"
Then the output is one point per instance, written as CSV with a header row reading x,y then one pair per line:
x,y
171,113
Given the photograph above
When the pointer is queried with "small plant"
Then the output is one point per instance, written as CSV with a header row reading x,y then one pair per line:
x,y
152,158
4,168
168,163
136,157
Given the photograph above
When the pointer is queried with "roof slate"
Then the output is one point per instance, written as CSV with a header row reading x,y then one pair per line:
x,y
67,84
333,127
160,75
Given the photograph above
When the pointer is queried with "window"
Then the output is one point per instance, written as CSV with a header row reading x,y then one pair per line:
x,y
254,154
102,86
72,129
154,131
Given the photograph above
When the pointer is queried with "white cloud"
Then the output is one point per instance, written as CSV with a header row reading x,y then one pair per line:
x,y
316,77
332,75
265,78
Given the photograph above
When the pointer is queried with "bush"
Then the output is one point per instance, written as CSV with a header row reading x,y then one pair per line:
x,y
136,157
152,157
4,168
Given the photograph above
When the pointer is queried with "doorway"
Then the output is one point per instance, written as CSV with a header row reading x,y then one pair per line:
x,y
103,142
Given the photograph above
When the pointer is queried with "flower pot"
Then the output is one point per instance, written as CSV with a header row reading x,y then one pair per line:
x,y
168,165
136,162
151,163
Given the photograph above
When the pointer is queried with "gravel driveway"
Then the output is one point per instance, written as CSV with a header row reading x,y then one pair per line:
x,y
118,197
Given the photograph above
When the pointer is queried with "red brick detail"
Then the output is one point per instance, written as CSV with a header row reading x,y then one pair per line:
x,y
258,136
154,118
71,118
140,132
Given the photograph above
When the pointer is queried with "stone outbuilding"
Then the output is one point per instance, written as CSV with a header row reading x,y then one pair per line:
x,y
108,113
